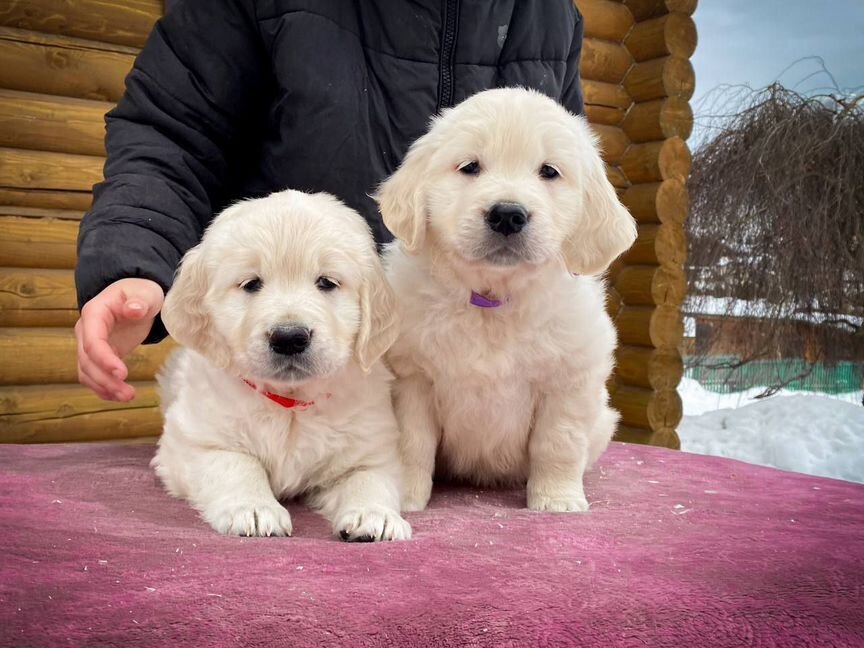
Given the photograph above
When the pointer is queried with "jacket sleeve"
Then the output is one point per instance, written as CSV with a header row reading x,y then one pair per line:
x,y
571,95
168,143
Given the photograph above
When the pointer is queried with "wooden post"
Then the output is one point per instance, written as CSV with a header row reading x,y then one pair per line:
x,y
650,285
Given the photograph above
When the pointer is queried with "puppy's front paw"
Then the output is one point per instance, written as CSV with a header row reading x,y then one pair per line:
x,y
371,524
416,490
574,504
250,519
554,496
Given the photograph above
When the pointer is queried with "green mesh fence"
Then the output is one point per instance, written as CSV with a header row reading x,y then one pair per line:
x,y
840,378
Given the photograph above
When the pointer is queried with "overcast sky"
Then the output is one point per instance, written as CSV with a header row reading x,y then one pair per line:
x,y
752,41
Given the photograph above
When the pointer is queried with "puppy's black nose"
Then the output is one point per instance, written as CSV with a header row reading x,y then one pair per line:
x,y
507,218
290,340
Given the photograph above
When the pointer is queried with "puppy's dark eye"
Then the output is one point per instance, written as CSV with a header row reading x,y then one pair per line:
x,y
548,172
325,284
470,168
252,285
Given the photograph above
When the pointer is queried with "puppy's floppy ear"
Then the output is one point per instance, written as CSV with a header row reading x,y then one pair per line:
x,y
604,229
379,317
402,200
184,313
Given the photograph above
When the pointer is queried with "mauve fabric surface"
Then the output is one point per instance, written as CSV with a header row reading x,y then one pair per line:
x,y
678,550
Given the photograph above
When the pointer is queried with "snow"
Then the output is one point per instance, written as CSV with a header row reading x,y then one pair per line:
x,y
815,434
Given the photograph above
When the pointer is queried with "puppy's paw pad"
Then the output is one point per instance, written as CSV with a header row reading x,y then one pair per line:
x,y
551,504
371,525
260,519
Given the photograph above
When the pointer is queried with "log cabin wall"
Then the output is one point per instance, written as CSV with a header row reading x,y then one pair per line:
x,y
62,67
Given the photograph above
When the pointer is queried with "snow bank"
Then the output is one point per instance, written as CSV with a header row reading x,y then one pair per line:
x,y
813,434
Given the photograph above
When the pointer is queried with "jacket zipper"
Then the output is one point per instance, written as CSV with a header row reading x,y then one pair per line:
x,y
448,47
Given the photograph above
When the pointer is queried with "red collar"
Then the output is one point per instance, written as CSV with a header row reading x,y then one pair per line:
x,y
284,401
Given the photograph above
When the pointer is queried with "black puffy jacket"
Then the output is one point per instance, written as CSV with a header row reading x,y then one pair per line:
x,y
240,98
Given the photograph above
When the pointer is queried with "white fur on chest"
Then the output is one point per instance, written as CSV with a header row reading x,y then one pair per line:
x,y
489,368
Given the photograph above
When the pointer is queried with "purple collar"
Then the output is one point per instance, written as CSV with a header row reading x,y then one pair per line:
x,y
480,301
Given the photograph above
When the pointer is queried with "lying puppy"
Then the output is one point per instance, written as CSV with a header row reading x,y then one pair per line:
x,y
504,353
285,312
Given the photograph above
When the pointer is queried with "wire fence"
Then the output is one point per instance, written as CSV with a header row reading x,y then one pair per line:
x,y
718,374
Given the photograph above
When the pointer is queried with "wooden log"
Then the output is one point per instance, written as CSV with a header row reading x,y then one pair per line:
x,y
46,199
629,434
613,303
605,19
655,369
46,123
37,242
658,202
656,161
650,326
24,169
668,76
666,438
662,438
37,212
122,23
616,177
67,413
45,356
663,244
605,115
658,120
37,297
614,268
651,285
57,65
674,34
613,142
644,408
604,60
610,95
645,9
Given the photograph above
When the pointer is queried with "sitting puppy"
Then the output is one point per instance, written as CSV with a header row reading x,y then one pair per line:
x,y
504,215
285,312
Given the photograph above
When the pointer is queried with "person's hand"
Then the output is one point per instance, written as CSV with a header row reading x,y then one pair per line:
x,y
111,325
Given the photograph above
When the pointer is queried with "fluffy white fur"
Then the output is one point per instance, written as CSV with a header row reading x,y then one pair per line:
x,y
226,448
515,393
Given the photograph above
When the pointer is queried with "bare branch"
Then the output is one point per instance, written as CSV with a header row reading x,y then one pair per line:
x,y
777,222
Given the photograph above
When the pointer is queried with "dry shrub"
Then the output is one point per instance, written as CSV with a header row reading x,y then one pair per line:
x,y
777,223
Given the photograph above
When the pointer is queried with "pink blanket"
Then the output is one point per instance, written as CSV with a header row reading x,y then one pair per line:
x,y
678,550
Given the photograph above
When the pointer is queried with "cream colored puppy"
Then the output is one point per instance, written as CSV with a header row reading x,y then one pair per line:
x,y
285,312
504,218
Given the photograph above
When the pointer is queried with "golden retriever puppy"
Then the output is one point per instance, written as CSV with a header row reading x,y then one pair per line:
x,y
284,311
504,218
